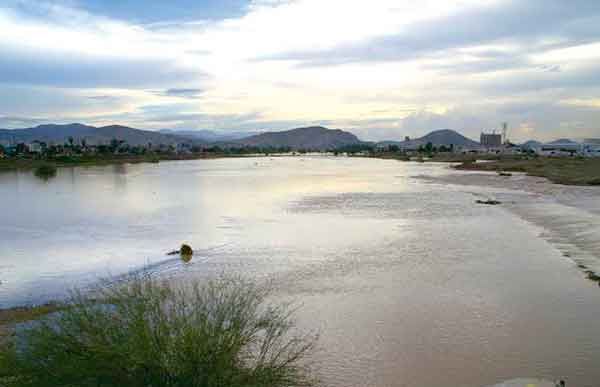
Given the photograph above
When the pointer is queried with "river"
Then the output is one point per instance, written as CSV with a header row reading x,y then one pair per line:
x,y
406,279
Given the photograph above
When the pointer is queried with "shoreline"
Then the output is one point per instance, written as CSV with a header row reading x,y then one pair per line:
x,y
574,171
565,171
568,214
9,165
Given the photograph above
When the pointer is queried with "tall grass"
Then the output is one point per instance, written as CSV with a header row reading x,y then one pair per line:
x,y
146,333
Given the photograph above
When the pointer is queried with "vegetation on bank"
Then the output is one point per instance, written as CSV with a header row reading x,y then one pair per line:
x,y
33,162
564,170
26,163
40,155
148,333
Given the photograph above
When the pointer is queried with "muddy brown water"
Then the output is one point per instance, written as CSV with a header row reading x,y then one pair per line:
x,y
408,282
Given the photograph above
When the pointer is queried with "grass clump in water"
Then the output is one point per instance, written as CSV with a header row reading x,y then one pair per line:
x,y
147,333
45,171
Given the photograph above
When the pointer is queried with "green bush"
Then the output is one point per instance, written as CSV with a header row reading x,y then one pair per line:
x,y
146,333
45,171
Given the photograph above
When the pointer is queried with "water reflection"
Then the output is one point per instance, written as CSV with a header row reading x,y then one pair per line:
x,y
187,258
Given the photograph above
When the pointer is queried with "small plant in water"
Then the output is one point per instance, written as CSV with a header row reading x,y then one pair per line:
x,y
146,333
186,250
45,171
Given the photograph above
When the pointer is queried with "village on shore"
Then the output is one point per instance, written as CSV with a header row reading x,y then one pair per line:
x,y
123,141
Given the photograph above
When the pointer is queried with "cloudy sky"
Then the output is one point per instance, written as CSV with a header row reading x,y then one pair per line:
x,y
379,68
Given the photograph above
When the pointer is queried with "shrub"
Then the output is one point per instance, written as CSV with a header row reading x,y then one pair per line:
x,y
186,250
45,171
146,333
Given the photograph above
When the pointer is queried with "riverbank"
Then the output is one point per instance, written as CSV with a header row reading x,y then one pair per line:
x,y
75,161
564,170
9,318
567,171
568,215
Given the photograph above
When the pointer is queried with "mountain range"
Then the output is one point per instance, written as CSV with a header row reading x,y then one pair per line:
x,y
59,134
208,135
313,137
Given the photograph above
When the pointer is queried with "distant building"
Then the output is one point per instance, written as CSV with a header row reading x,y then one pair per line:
x,y
560,149
491,140
591,149
35,147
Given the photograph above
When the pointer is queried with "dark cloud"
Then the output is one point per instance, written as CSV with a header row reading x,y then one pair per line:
x,y
581,77
182,93
18,66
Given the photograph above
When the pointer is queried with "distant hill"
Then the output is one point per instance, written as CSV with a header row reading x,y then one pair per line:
x,y
313,138
208,135
531,144
93,135
563,141
444,137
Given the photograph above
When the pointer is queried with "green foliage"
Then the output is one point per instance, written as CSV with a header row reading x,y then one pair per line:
x,y
186,250
45,171
146,333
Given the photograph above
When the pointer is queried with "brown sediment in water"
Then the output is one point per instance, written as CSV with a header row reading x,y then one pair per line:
x,y
12,316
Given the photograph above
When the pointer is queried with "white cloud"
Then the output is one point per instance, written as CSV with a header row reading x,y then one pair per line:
x,y
382,67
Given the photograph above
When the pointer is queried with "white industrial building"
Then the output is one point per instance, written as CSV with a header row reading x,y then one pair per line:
x,y
568,148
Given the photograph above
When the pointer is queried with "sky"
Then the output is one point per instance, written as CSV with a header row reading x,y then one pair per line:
x,y
382,69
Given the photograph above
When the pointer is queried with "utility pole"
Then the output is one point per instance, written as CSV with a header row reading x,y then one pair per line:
x,y
504,132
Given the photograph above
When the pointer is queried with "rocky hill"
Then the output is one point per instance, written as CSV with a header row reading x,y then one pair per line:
x,y
444,137
59,134
310,138
531,144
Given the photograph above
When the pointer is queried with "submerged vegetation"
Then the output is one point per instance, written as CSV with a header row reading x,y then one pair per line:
x,y
45,171
148,333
